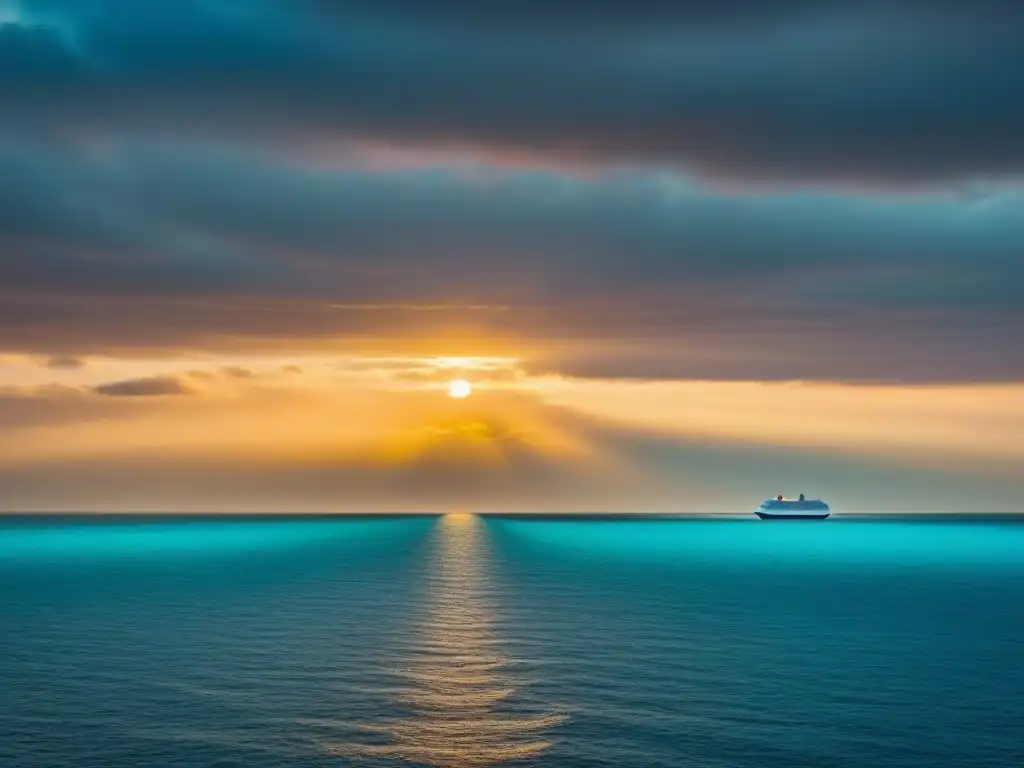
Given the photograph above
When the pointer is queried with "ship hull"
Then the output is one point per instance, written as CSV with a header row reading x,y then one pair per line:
x,y
785,516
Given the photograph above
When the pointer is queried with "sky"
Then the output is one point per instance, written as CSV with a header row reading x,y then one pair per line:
x,y
689,255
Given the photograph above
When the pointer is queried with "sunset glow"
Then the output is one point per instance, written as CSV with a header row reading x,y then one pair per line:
x,y
459,388
322,431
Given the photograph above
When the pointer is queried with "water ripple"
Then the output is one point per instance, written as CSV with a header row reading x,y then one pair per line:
x,y
459,692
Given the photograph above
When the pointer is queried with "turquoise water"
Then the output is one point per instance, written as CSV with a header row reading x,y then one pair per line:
x,y
464,641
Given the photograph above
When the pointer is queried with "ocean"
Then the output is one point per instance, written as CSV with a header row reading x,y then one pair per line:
x,y
463,641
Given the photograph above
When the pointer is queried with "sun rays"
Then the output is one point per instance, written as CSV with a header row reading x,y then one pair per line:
x,y
383,432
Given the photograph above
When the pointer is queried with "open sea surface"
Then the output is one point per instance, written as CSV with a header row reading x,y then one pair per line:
x,y
464,642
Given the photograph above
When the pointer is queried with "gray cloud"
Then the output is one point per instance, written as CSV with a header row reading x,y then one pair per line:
x,y
114,235
436,236
841,90
68,362
148,387
911,281
884,352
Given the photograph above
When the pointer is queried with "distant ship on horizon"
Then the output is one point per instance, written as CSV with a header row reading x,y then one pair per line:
x,y
790,509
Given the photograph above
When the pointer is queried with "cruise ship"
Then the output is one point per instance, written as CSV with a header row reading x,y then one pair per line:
x,y
789,509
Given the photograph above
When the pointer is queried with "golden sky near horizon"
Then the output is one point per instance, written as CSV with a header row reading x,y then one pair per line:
x,y
364,432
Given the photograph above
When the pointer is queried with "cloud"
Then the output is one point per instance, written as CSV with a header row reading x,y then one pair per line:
x,y
838,91
149,387
387,241
68,362
881,350
474,370
211,176
236,372
197,244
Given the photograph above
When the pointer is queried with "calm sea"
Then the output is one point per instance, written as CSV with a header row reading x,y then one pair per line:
x,y
467,642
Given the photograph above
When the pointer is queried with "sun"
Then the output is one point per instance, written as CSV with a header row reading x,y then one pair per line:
x,y
459,388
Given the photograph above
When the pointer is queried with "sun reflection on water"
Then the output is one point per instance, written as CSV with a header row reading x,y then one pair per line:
x,y
456,683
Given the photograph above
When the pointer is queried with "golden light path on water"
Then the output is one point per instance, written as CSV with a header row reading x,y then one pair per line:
x,y
456,677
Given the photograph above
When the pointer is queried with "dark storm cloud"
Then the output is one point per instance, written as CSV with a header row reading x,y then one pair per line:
x,y
839,90
149,387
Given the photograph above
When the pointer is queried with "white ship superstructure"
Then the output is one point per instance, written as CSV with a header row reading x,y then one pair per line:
x,y
788,509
